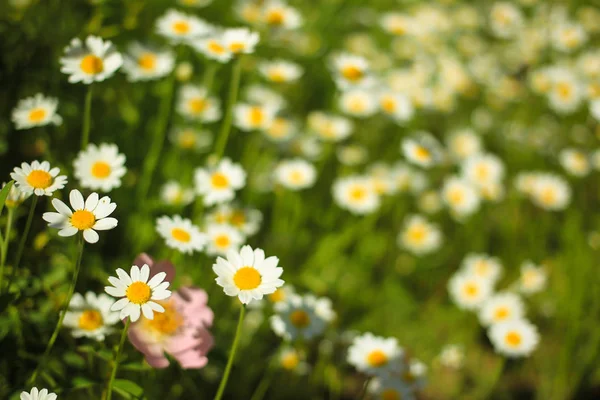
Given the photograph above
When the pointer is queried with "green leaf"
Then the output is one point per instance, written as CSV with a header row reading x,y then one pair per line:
x,y
81,382
4,194
128,388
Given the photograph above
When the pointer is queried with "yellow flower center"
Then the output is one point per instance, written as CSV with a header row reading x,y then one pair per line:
x,y
530,278
377,358
501,313
390,394
422,154
388,105
101,169
513,339
237,47
358,193
37,115
90,320
166,323
39,179
222,241
147,61
417,233
275,17
238,218
352,73
482,268
256,116
300,319
181,235
564,90
215,47
219,180
138,292
548,196
247,278
277,75
83,219
290,360
456,196
181,27
198,105
187,139
296,177
471,290
92,64
278,127
482,172
277,296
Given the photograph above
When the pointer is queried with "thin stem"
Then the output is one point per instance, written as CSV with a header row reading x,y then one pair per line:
x,y
23,241
62,314
363,392
5,244
234,85
113,374
264,384
231,355
85,130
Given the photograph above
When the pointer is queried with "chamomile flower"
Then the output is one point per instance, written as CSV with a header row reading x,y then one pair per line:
x,y
295,174
240,40
219,183
100,167
396,106
195,103
420,236
516,338
575,162
468,291
36,394
249,117
375,355
506,19
138,294
358,103
291,359
482,266
461,196
389,388
351,71
37,110
568,36
328,127
281,129
179,233
397,24
501,307
551,192
213,47
297,318
483,169
90,316
277,14
245,220
280,71
91,61
179,27
356,194
190,138
144,63
452,356
87,216
248,274
172,193
15,196
566,93
532,278
463,144
222,238
422,150
415,374
38,178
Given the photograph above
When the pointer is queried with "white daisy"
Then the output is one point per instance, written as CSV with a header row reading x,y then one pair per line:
x,y
551,192
463,144
219,183
482,266
506,19
501,307
295,174
222,238
15,196
397,24
38,178
375,355
245,220
389,388
483,169
248,274
190,138
280,71
452,356
179,27
277,14
328,127
87,216
297,318
250,117
179,233
568,36
91,61
357,194
566,93
351,71
36,394
281,129
415,374
100,167
172,193
469,292
396,106
461,196
420,236
532,278
575,162
240,40
358,103
90,316
144,63
37,110
194,103
213,47
516,338
138,294
422,149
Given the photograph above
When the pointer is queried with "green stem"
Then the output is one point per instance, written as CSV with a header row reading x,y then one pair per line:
x,y
263,386
231,355
62,313
363,392
113,374
209,75
234,86
158,140
85,130
5,244
23,241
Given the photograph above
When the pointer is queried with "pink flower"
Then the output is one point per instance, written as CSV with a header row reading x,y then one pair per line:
x,y
181,331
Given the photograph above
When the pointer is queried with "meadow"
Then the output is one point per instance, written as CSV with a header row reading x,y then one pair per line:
x,y
269,199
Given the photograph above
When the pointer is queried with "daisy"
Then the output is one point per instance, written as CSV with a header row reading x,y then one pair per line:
x,y
375,355
250,117
222,238
328,127
389,388
36,394
144,63
179,233
567,93
430,202
291,359
280,296
280,71
219,183
463,144
179,27
483,169
505,20
469,292
100,167
194,103
295,174
38,178
422,150
532,279
461,196
568,36
91,61
358,103
281,129
415,374
138,294
395,105
37,110
259,94
88,216
248,274
213,47
297,318
240,40
90,316
172,193
452,356
277,14
551,192
575,162
351,71
189,138
516,338
15,196
482,266
356,194
245,220
352,154
395,23
501,307
419,236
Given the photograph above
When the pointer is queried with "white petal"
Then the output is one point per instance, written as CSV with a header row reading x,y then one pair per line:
x,y
144,273
90,236
135,312
157,279
135,273
92,202
147,311
115,292
124,277
76,200
70,231
61,207
119,304
105,224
